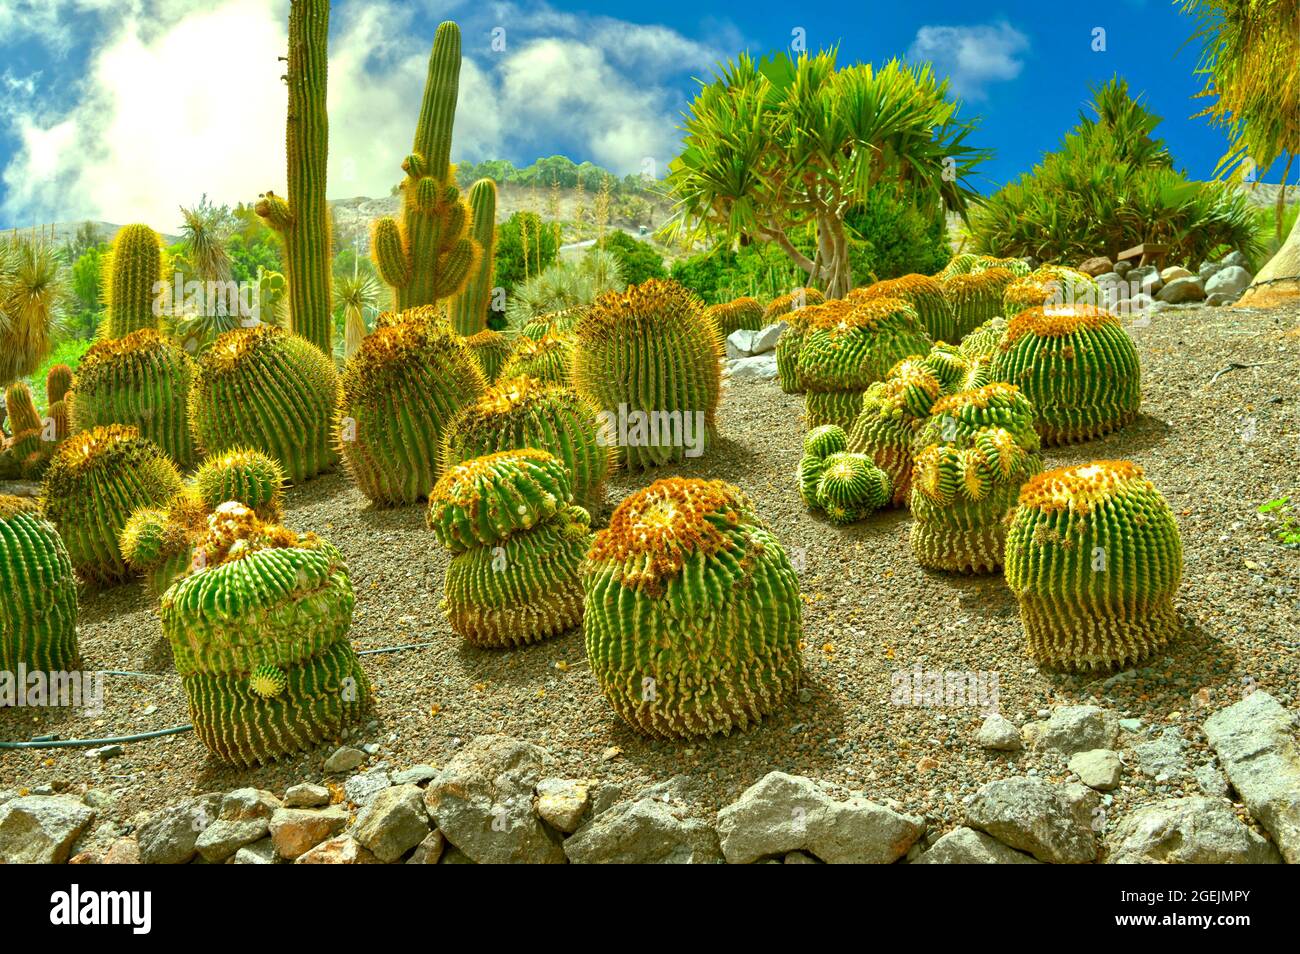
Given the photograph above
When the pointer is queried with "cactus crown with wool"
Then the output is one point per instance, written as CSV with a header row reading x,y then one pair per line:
x,y
469,309
490,349
38,593
143,380
693,614
1094,558
1079,367
955,418
400,392
243,475
303,221
524,413
549,359
95,481
133,270
430,255
650,351
259,637
742,313
482,501
267,390
925,295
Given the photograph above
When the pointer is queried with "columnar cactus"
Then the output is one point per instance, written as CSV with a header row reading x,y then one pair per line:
x,y
1077,365
245,476
549,359
303,221
973,453
95,481
31,442
469,309
58,391
693,614
1051,286
142,380
975,297
743,313
430,255
490,349
264,389
849,345
523,412
134,270
258,633
649,359
516,541
782,305
38,593
58,382
400,392
925,295
1094,558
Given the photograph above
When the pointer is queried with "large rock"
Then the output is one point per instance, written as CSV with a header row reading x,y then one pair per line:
x,y
998,733
170,835
1173,273
360,789
1182,290
482,802
40,829
765,340
1096,266
1187,831
1071,729
966,846
296,831
1163,758
645,831
1097,768
758,368
1230,280
740,343
393,823
1147,278
1256,745
1235,258
224,837
1053,823
783,813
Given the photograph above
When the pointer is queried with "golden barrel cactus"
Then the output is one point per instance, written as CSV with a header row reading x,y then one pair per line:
x,y
925,295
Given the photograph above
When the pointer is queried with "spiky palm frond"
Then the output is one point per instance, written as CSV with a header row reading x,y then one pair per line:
x,y
356,297
34,293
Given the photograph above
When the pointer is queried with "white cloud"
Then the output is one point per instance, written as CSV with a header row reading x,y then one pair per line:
x,y
973,56
183,97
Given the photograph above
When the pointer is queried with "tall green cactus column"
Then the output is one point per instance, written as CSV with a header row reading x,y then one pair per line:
x,y
430,256
303,221
134,270
469,310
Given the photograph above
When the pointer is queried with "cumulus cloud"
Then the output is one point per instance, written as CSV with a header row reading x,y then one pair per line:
x,y
177,98
973,56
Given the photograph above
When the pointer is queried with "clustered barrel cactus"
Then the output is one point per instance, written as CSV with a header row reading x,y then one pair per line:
x,y
649,359
490,349
742,313
400,392
522,413
925,295
782,305
1077,365
265,389
516,541
95,481
849,345
976,297
968,263
549,359
984,340
1094,558
26,452
972,455
693,615
259,635
1049,286
846,487
38,593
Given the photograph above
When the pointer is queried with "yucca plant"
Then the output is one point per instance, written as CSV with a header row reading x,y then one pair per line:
x,y
355,297
34,292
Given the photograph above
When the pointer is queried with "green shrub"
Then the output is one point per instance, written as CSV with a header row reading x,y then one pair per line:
x,y
637,260
897,238
542,247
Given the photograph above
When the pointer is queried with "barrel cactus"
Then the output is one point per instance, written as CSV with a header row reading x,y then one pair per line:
x,y
245,476
983,341
1077,365
266,389
258,632
142,380
95,481
741,314
27,450
788,347
400,392
975,298
844,486
523,412
549,359
490,349
649,358
1049,286
693,617
925,295
38,593
58,382
516,541
157,543
1016,266
1094,558
132,274
782,305
960,264
552,323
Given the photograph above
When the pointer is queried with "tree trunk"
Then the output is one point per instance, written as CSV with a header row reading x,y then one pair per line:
x,y
1279,280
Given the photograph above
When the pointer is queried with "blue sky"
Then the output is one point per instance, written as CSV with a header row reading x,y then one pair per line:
x,y
123,109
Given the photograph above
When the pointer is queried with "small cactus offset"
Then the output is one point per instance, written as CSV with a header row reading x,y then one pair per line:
x,y
38,593
549,359
1094,558
523,412
925,295
258,633
743,313
142,380
469,309
430,255
400,392
782,305
1077,365
265,389
157,543
975,297
649,357
846,487
134,269
490,349
693,617
95,481
517,542
245,476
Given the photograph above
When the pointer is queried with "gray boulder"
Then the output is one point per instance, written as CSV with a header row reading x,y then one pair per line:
x,y
1071,729
765,339
1097,768
1187,831
40,829
393,823
562,802
1054,823
1164,758
645,831
1230,280
758,368
170,835
966,846
740,342
1235,258
1182,290
999,734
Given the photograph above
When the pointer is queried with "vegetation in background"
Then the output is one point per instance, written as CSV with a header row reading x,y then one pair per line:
x,y
34,295
553,170
565,284
637,260
526,247
1285,523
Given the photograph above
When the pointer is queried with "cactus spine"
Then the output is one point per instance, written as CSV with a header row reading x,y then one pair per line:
x,y
303,220
38,593
925,295
693,614
430,256
469,309
1094,558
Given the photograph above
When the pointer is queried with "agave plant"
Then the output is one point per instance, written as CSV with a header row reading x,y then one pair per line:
x,y
34,291
355,297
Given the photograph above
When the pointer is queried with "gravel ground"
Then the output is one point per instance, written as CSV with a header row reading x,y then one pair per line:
x,y
1216,452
